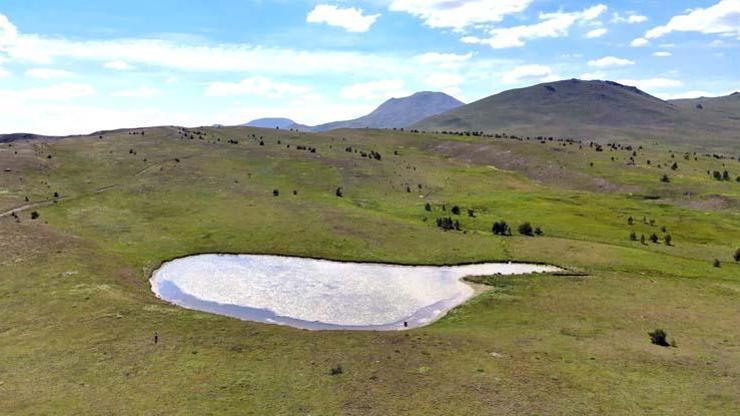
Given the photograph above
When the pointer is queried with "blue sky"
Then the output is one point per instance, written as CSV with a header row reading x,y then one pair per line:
x,y
79,66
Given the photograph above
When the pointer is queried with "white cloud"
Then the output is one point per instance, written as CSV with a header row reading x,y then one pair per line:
x,y
48,73
8,32
596,33
652,83
662,54
137,93
722,18
551,25
4,73
118,66
350,19
59,92
529,73
374,90
610,61
459,14
630,18
639,42
261,86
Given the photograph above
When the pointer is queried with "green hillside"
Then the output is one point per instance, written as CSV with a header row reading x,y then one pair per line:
x,y
78,314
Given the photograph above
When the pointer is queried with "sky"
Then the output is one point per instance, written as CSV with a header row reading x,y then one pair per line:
x,y
74,66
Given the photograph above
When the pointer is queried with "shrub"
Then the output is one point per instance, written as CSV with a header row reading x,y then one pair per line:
x,y
501,228
633,236
335,371
538,231
428,207
654,238
526,229
275,192
455,210
737,255
659,337
717,263
665,179
34,215
668,239
339,192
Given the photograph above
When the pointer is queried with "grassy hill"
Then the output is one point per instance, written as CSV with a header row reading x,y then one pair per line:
x,y
598,110
399,112
78,314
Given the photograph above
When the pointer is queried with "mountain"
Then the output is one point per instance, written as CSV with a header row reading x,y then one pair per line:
x,y
594,109
399,112
12,137
281,123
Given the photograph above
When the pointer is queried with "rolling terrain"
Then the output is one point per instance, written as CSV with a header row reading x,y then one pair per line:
x,y
86,219
602,110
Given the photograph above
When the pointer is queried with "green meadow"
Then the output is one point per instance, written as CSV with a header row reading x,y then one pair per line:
x,y
77,314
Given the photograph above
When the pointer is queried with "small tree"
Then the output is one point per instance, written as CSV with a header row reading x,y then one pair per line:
x,y
717,263
633,236
642,239
630,221
339,192
674,166
34,215
428,207
275,192
654,238
737,255
526,229
659,337
665,179
538,231
668,239
455,210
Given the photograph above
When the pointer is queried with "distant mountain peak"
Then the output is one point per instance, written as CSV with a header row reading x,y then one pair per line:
x,y
400,112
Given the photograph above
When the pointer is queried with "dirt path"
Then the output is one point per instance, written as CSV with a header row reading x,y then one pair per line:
x,y
47,202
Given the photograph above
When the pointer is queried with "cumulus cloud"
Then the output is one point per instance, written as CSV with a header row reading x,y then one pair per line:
x,y
551,25
639,42
596,33
374,90
350,19
610,61
118,66
629,18
48,73
662,54
59,92
722,18
8,32
459,14
258,85
529,73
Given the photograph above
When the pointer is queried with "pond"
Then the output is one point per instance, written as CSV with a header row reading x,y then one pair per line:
x,y
321,294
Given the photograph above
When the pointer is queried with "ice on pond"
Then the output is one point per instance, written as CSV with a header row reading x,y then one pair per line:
x,y
321,294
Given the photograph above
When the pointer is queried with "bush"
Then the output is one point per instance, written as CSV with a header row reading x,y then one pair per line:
x,y
665,179
455,210
339,192
668,239
654,238
275,192
501,228
659,337
737,255
335,371
34,215
428,207
633,236
526,229
538,231
717,263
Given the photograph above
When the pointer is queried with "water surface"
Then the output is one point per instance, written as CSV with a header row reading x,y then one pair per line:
x,y
321,294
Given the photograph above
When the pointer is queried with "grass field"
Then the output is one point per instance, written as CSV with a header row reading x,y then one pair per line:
x,y
78,315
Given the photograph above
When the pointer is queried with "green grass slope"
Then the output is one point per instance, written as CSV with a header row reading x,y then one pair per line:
x,y
78,314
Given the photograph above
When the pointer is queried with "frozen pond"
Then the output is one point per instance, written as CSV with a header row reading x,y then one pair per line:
x,y
321,294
